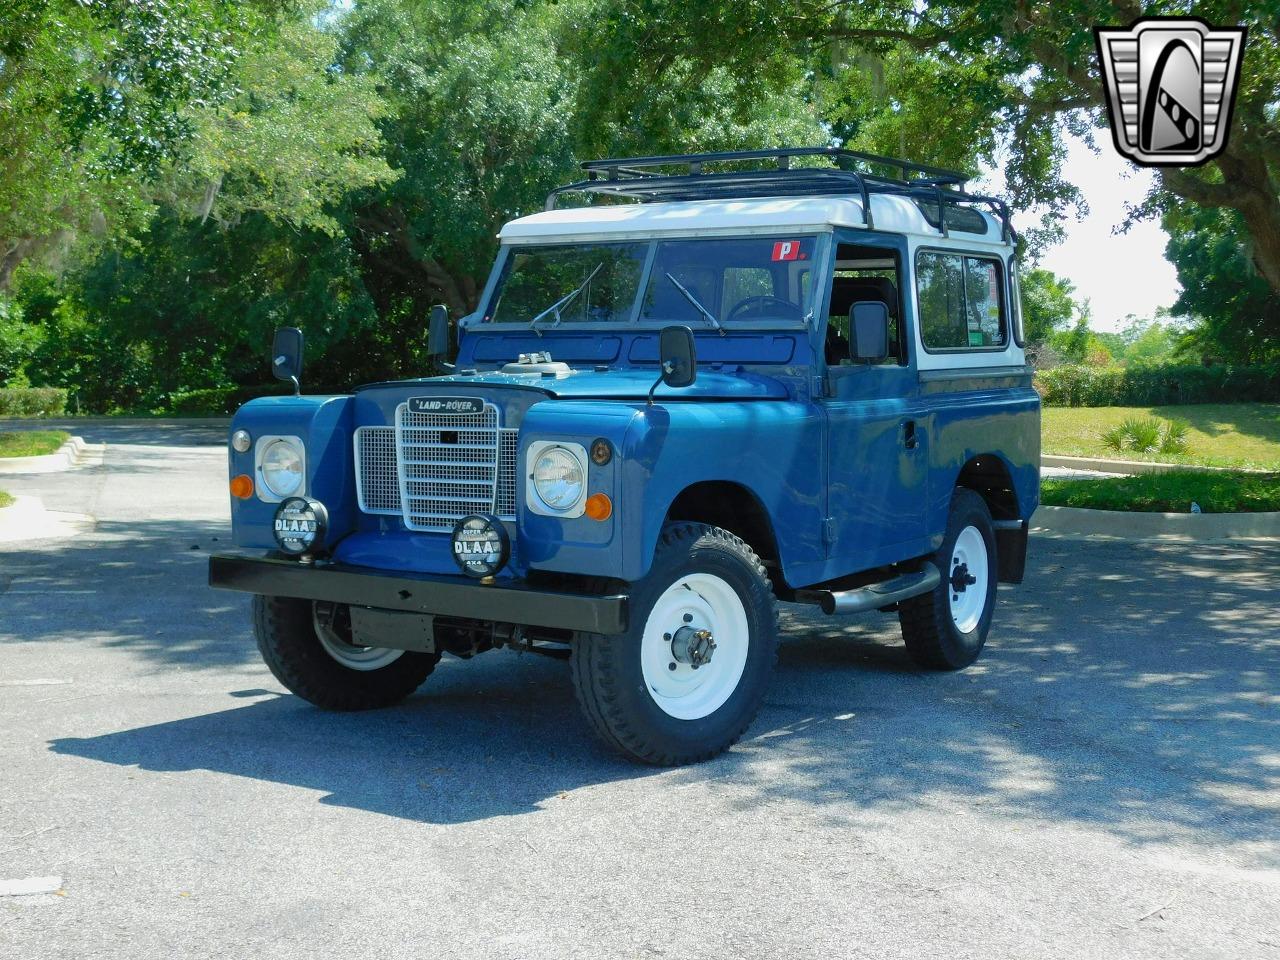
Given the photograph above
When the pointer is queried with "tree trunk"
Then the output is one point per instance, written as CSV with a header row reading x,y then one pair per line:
x,y
16,251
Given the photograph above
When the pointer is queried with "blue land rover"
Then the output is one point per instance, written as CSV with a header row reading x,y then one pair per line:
x,y
717,381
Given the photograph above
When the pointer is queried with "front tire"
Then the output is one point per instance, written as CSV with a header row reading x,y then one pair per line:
x,y
688,677
307,649
946,628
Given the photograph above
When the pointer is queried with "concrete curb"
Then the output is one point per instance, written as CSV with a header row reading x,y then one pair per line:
x,y
1125,525
74,453
27,519
56,422
1132,467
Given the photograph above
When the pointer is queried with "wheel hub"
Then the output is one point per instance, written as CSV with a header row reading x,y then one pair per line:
x,y
961,578
692,646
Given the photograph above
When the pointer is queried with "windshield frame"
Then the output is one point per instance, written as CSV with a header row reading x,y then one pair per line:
x,y
822,249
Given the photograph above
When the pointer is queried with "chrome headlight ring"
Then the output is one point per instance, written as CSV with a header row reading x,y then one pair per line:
x,y
280,463
557,478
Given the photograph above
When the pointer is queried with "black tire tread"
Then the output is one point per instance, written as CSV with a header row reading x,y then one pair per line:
x,y
926,619
595,679
292,652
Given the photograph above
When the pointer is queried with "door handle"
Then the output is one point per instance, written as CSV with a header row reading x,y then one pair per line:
x,y
910,439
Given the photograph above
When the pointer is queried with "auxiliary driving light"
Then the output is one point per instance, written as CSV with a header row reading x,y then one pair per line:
x,y
481,546
300,525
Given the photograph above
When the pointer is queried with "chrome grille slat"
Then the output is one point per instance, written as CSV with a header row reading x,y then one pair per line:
x,y
413,471
377,486
504,500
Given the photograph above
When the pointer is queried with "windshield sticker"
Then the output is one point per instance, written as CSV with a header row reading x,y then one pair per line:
x,y
787,250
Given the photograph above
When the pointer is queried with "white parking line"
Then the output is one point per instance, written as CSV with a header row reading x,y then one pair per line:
x,y
30,886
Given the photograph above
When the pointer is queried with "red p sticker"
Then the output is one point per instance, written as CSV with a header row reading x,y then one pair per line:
x,y
786,250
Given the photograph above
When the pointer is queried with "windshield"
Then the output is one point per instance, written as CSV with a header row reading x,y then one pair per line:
x,y
537,278
701,282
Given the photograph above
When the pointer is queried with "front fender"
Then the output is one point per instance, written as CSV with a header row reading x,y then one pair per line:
x,y
325,426
772,448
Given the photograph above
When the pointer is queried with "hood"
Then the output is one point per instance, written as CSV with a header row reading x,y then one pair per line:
x,y
618,385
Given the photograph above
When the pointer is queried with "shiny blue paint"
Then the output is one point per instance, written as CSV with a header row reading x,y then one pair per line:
x,y
970,419
822,451
635,348
626,384
325,426
770,449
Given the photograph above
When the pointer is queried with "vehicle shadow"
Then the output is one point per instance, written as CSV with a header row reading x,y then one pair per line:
x,y
499,737
1127,688
139,586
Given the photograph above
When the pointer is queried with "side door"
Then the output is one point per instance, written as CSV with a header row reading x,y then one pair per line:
x,y
877,447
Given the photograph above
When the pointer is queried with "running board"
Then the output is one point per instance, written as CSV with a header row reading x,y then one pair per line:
x,y
874,595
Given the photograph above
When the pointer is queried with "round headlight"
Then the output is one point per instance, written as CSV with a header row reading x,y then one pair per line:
x,y
559,478
282,468
241,441
300,524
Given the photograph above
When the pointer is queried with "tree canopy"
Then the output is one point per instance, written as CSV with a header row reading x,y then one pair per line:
x,y
183,175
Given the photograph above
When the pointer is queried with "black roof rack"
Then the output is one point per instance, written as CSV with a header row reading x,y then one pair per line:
x,y
649,179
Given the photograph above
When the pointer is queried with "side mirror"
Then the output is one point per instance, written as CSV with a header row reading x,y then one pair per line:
x,y
869,331
438,332
286,356
677,358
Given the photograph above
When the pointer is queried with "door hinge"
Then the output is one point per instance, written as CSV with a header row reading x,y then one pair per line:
x,y
829,531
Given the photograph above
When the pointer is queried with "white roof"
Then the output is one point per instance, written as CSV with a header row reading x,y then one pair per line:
x,y
702,217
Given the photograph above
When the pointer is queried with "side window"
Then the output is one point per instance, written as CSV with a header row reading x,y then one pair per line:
x,y
1015,305
961,302
862,273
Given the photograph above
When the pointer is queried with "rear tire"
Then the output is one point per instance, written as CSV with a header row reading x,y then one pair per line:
x,y
946,628
641,690
289,640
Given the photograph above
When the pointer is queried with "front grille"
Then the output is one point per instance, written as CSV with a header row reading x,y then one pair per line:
x,y
377,474
432,469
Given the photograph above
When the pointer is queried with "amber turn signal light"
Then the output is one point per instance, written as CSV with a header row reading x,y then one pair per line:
x,y
242,486
598,507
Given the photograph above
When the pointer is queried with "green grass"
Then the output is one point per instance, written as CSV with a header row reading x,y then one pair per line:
x,y
6,499
1168,492
1218,434
31,443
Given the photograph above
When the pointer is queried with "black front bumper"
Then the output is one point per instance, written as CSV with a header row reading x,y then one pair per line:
x,y
502,602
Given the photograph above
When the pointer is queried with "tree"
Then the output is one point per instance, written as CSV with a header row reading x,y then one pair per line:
x,y
92,107
355,173
1235,314
489,114
954,82
1048,304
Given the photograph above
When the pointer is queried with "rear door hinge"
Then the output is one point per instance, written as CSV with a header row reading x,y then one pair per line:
x,y
829,531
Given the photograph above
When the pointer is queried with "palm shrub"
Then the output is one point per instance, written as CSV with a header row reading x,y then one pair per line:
x,y
1174,439
1147,435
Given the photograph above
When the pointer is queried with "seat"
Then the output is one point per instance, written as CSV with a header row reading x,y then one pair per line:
x,y
845,292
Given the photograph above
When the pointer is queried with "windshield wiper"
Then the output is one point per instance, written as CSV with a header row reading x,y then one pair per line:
x,y
564,301
697,305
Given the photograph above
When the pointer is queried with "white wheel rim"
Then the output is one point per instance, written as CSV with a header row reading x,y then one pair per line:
x,y
968,560
353,658
701,601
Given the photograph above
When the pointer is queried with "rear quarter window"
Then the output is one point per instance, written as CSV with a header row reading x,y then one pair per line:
x,y
961,302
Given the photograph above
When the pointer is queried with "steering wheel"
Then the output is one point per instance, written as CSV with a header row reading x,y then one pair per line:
x,y
765,307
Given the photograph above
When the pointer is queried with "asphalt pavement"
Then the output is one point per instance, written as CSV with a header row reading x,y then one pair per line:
x,y
1105,782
